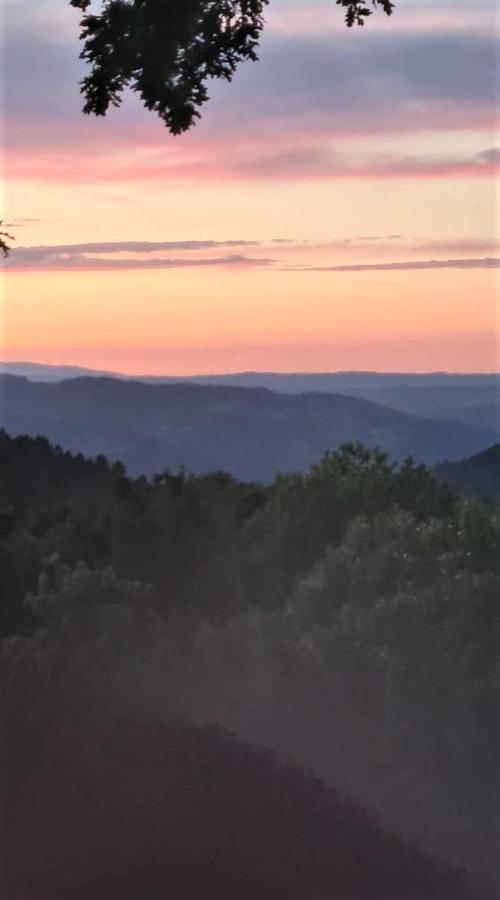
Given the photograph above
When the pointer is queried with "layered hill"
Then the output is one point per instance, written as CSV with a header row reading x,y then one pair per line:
x,y
250,432
478,475
472,399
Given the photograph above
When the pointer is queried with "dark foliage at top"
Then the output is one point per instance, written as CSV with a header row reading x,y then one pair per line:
x,y
167,50
358,10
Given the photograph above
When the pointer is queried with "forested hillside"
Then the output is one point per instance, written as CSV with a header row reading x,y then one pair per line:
x,y
479,475
346,618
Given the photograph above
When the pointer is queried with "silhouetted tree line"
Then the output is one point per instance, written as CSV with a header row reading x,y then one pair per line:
x,y
347,617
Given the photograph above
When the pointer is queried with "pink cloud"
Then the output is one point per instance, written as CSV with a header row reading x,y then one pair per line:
x,y
237,160
407,266
328,88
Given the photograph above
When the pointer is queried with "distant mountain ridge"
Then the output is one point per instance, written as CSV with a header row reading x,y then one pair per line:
x,y
49,373
250,432
468,398
297,381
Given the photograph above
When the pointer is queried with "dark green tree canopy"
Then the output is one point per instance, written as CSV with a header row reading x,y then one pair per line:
x,y
167,50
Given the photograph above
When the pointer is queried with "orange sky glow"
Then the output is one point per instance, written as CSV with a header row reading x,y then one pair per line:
x,y
300,227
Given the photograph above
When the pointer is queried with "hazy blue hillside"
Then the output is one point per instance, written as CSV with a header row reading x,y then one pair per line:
x,y
470,399
41,372
479,475
251,433
476,404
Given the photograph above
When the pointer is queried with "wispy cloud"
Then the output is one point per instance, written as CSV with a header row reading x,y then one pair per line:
x,y
462,246
315,162
21,222
123,255
267,159
484,263
112,247
69,257
397,243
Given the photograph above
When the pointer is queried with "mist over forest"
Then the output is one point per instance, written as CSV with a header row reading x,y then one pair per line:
x,y
230,689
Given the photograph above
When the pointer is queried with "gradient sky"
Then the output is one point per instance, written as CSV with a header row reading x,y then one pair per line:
x,y
336,208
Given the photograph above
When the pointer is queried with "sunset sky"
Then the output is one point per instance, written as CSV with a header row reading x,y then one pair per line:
x,y
336,208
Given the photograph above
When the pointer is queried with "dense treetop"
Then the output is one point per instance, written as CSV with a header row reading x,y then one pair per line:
x,y
167,50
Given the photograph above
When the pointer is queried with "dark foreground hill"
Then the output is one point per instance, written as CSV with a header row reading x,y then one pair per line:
x,y
478,475
250,432
124,811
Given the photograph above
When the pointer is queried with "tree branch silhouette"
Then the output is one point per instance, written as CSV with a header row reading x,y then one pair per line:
x,y
167,50
4,237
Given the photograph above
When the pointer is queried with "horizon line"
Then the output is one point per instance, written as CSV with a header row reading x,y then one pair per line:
x,y
112,373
